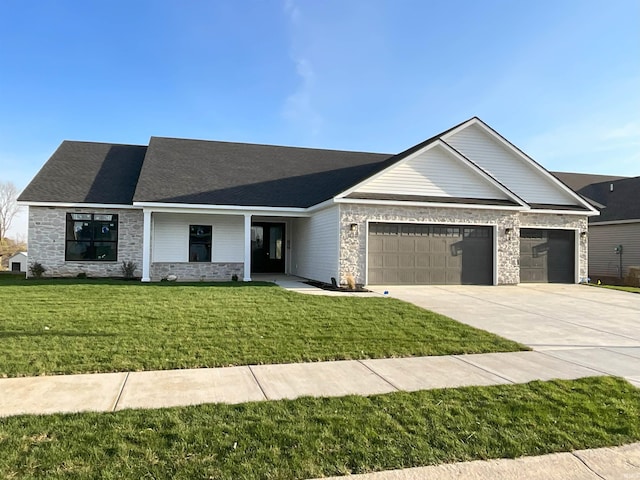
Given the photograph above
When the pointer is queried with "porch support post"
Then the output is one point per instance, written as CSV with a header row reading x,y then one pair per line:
x,y
146,245
247,247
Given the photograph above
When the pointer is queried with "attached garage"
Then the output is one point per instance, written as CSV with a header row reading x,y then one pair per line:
x,y
426,254
547,256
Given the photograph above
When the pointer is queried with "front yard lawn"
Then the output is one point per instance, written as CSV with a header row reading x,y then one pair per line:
x,y
61,327
313,437
74,326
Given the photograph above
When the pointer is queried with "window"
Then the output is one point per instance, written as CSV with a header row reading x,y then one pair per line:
x,y
199,243
92,237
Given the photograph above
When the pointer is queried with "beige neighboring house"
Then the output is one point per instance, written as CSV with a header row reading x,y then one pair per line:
x,y
18,262
463,207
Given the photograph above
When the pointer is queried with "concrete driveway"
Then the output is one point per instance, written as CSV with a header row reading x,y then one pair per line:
x,y
592,327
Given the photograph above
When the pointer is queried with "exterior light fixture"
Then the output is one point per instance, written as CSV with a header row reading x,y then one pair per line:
x,y
354,227
583,234
508,231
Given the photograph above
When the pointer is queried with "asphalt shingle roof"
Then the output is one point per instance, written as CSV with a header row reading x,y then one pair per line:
x,y
623,203
222,173
87,172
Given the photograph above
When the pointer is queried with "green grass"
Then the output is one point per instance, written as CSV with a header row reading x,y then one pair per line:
x,y
73,326
310,437
619,287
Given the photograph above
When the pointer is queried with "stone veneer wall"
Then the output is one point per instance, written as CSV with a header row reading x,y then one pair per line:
x,y
198,271
568,222
47,229
353,244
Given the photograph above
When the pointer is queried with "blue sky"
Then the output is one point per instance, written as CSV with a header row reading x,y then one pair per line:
x,y
560,78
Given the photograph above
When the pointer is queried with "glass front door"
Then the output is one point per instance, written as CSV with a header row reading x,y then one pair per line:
x,y
267,247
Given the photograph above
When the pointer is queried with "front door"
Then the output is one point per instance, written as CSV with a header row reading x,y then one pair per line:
x,y
267,247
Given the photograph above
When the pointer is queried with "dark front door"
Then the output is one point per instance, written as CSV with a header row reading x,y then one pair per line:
x,y
15,266
267,247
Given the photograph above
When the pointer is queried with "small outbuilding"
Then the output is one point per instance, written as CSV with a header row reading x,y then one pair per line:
x,y
18,263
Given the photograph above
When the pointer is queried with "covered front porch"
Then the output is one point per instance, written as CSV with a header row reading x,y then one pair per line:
x,y
218,245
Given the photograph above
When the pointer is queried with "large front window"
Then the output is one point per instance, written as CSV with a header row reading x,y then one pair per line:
x,y
92,237
199,243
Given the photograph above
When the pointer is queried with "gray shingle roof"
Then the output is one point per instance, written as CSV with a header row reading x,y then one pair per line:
x,y
222,173
86,172
623,203
576,181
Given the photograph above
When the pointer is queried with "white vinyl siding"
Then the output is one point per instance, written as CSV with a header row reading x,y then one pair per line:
x,y
171,237
316,245
603,239
508,167
434,172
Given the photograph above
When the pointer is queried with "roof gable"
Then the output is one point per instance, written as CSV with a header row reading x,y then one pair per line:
x,y
434,171
511,167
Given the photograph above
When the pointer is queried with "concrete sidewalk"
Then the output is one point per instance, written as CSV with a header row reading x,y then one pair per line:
x,y
601,463
169,388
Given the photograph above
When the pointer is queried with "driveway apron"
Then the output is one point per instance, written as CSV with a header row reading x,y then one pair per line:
x,y
591,327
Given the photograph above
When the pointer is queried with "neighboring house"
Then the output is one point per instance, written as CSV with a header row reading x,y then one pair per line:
x,y
18,262
465,206
618,224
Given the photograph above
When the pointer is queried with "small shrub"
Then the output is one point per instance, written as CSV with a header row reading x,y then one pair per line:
x,y
234,278
351,282
36,269
82,275
128,269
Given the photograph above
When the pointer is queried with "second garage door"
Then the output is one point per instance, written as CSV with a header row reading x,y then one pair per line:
x,y
417,254
547,256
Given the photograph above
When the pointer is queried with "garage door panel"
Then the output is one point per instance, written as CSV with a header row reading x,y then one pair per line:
x,y
547,255
430,254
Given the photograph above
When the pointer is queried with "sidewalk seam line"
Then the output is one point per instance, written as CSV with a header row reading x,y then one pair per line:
x,y
588,467
510,380
544,352
608,349
264,394
379,376
115,405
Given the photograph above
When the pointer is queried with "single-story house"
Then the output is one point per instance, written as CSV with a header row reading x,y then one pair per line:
x,y
18,262
463,207
614,235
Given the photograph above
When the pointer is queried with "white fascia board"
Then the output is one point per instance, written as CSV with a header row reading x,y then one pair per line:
x,y
564,212
398,203
222,209
79,205
519,153
614,222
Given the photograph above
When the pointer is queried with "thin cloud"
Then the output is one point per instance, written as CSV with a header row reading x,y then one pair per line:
x,y
299,107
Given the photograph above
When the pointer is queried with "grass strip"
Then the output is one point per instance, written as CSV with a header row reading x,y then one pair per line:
x,y
618,287
63,327
311,437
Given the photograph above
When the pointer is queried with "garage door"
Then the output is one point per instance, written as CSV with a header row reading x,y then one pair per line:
x,y
547,256
409,254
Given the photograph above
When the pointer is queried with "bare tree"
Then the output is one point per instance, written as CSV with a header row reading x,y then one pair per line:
x,y
8,207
